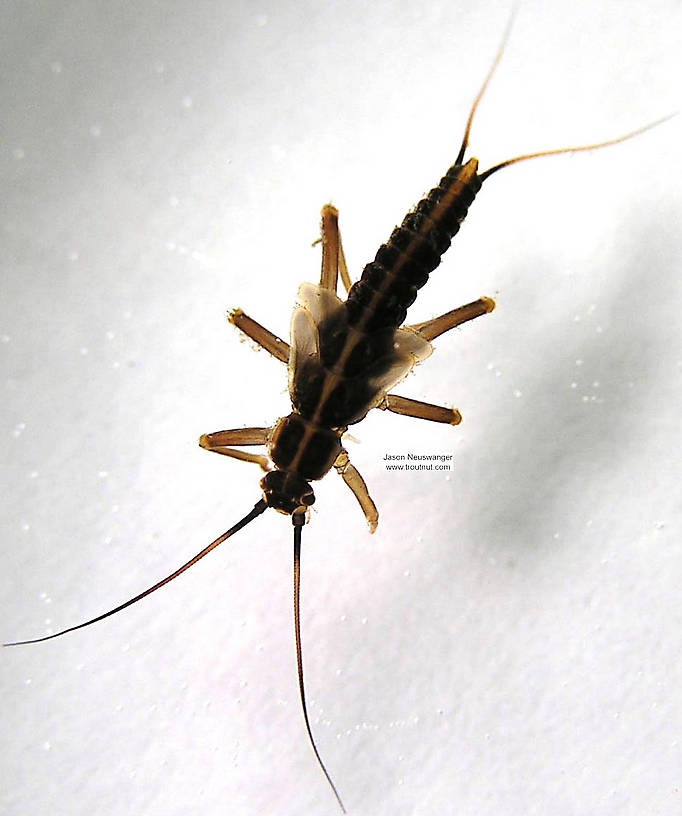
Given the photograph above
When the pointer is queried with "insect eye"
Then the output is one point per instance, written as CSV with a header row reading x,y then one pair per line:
x,y
308,498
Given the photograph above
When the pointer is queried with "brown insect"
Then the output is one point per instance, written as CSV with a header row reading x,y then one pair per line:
x,y
344,358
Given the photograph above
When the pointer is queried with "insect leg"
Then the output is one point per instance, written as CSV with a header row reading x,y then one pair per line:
x,y
430,329
357,484
333,259
420,410
218,441
259,334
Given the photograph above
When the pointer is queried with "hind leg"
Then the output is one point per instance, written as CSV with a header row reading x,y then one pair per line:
x,y
431,329
333,259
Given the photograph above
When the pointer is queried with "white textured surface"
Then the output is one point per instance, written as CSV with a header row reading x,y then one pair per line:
x,y
509,641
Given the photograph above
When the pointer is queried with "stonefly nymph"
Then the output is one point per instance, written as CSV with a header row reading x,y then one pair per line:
x,y
345,357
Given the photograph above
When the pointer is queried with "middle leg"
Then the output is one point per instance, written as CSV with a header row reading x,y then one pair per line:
x,y
420,410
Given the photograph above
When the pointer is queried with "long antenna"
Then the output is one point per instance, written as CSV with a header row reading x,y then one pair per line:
x,y
259,508
298,520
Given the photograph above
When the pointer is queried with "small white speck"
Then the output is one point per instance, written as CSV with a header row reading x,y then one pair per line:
x,y
490,366
174,201
5,338
342,618
406,573
363,621
591,308
187,102
599,330
159,68
95,130
73,255
577,318
116,364
578,362
56,67
28,681
588,523
585,398
47,745
556,536
182,249
33,474
102,474
18,428
110,335
127,314
574,385
25,526
115,508
83,350
261,20
19,153
659,525
595,384
517,393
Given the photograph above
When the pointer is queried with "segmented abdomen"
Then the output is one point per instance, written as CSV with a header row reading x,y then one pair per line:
x,y
389,284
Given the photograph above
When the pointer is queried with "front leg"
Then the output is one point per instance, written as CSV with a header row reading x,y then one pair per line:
x,y
354,480
218,442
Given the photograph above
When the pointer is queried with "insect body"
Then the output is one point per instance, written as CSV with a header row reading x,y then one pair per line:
x,y
345,357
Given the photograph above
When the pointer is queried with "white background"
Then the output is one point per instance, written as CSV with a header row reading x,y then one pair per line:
x,y
509,640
